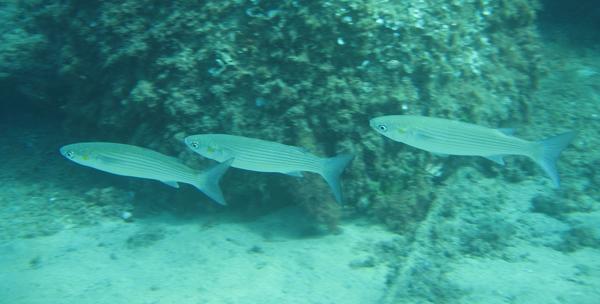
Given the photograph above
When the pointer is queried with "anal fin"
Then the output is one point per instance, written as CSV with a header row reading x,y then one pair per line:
x,y
171,184
507,131
295,173
496,158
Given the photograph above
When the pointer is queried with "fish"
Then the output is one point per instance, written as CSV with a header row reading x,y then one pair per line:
x,y
450,137
267,156
134,161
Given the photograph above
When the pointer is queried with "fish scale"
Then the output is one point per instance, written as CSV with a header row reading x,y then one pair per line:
x,y
451,137
133,161
267,156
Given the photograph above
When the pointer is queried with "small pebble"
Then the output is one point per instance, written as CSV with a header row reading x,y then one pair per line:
x,y
126,216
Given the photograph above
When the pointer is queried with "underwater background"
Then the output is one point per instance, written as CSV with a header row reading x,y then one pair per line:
x,y
414,228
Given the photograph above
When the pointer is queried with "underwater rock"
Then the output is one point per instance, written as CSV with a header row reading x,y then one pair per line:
x,y
142,73
584,232
549,205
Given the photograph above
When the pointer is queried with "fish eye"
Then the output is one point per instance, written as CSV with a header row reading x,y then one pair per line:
x,y
195,145
70,154
382,128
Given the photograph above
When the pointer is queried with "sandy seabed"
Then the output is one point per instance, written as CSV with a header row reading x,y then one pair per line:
x,y
167,261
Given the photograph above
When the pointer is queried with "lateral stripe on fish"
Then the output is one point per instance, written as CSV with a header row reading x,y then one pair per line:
x,y
151,166
445,136
133,161
261,153
266,156
467,140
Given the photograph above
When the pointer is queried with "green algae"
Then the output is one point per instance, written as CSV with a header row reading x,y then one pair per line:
x,y
308,74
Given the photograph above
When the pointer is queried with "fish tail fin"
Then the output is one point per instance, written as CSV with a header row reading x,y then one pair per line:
x,y
332,169
549,150
208,181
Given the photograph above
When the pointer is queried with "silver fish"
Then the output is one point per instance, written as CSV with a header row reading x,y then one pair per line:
x,y
445,136
267,156
128,160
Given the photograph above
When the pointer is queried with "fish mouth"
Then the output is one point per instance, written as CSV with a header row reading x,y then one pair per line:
x,y
63,150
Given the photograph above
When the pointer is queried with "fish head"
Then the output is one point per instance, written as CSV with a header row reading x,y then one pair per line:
x,y
208,147
79,153
393,126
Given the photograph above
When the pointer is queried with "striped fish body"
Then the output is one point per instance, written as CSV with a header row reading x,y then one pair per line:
x,y
128,160
451,137
445,136
267,156
134,161
255,154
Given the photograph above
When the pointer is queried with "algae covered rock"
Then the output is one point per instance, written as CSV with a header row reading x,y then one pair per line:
x,y
309,74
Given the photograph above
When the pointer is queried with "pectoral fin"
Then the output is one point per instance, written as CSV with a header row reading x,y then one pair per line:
x,y
107,159
420,135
